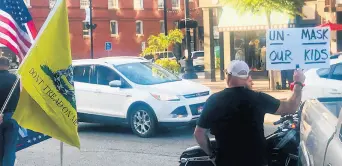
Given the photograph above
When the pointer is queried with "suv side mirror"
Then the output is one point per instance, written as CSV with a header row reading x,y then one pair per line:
x,y
115,83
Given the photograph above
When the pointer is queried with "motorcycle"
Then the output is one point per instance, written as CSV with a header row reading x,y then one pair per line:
x,y
282,146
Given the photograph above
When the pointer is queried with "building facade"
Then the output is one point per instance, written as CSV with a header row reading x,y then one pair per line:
x,y
243,36
333,13
127,24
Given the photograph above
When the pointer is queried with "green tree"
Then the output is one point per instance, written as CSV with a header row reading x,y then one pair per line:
x,y
266,7
161,42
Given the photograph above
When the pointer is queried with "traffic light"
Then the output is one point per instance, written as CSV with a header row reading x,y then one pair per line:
x,y
190,24
93,27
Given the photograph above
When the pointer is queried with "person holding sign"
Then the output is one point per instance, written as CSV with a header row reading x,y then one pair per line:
x,y
8,126
236,117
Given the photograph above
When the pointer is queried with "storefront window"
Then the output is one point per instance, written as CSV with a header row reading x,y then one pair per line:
x,y
250,46
239,46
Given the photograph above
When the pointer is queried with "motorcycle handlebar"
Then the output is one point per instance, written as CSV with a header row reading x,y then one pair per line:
x,y
284,118
278,122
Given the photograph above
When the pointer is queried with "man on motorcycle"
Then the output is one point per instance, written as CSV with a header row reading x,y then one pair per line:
x,y
235,116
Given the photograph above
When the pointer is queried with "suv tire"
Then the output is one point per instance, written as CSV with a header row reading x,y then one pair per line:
x,y
143,122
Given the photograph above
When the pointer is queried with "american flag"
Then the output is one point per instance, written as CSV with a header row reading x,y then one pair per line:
x,y
17,30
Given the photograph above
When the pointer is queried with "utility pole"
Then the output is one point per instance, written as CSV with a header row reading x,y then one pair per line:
x,y
212,46
91,29
195,38
189,68
165,17
330,11
90,26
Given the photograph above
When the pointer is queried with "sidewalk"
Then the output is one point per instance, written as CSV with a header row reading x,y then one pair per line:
x,y
259,85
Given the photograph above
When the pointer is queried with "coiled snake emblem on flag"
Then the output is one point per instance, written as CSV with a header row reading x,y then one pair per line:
x,y
61,79
57,78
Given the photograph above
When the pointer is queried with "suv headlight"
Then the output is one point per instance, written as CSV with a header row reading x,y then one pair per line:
x,y
164,97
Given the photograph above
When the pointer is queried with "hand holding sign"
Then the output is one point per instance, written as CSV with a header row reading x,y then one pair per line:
x,y
306,47
299,76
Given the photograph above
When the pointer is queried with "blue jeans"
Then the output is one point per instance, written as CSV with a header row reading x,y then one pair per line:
x,y
8,140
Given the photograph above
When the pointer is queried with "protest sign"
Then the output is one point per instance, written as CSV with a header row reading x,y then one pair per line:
x,y
303,47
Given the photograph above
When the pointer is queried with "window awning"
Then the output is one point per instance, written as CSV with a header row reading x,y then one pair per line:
x,y
231,20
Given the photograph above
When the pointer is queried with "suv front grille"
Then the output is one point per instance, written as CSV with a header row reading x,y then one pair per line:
x,y
194,95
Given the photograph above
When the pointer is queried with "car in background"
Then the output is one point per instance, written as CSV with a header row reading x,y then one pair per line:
x,y
166,55
324,82
161,55
321,132
135,92
198,61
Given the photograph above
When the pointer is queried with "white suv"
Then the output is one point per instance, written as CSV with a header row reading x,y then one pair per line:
x,y
136,92
324,82
197,59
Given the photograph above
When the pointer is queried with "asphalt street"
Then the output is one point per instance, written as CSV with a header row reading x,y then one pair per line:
x,y
113,146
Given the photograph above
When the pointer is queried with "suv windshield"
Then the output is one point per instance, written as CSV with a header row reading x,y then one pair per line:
x,y
146,73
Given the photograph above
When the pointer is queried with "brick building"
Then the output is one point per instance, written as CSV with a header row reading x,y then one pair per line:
x,y
125,23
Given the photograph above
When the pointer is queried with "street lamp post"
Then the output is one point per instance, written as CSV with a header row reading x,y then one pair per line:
x,y
90,26
165,18
189,68
91,29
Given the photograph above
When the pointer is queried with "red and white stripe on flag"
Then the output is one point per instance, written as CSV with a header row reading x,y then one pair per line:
x,y
13,37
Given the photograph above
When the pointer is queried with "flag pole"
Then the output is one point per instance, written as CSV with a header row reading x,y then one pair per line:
x,y
9,96
61,151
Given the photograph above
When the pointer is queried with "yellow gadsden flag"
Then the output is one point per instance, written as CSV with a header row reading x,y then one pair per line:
x,y
47,102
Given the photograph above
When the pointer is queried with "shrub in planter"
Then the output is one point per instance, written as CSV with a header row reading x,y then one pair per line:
x,y
170,65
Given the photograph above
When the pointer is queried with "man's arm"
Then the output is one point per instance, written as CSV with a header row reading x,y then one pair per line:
x,y
275,106
205,122
292,104
201,135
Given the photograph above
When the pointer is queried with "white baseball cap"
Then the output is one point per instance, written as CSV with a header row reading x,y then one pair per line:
x,y
238,68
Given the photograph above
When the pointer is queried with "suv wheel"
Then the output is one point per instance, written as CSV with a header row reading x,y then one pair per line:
x,y
143,122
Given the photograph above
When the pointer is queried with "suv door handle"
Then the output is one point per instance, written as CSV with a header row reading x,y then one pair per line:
x,y
97,91
329,164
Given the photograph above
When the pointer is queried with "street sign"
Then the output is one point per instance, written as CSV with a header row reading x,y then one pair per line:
x,y
108,46
87,11
143,45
